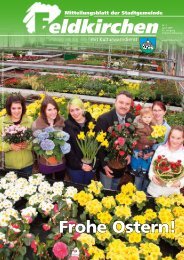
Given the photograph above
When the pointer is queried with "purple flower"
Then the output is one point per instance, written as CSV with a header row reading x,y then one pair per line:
x,y
43,136
36,133
47,145
65,148
49,129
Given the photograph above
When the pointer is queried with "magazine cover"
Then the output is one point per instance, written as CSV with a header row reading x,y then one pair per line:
x,y
91,130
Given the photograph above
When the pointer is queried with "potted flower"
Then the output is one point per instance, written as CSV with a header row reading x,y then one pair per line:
x,y
168,171
51,145
122,140
17,134
90,144
158,133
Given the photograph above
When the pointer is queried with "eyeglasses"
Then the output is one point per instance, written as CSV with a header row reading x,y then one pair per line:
x,y
157,110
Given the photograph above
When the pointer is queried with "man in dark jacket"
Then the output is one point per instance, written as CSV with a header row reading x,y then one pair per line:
x,y
121,115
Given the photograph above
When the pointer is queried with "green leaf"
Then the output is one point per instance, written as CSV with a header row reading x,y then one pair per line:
x,y
83,216
74,210
22,250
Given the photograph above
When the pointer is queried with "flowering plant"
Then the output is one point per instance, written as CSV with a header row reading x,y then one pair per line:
x,y
158,133
168,171
16,134
131,208
122,140
51,142
90,143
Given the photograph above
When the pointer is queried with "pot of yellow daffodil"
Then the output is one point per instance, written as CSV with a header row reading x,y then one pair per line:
x,y
90,144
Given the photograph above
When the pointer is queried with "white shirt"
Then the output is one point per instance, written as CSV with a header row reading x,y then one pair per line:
x,y
157,190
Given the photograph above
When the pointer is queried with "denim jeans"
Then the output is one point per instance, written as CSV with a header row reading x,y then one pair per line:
x,y
141,183
27,171
109,183
80,176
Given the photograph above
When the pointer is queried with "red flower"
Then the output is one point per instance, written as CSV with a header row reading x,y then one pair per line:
x,y
28,219
60,250
56,237
73,258
76,235
56,210
114,134
134,144
29,235
1,246
121,141
46,227
15,226
119,127
86,252
121,153
71,222
116,143
34,246
127,124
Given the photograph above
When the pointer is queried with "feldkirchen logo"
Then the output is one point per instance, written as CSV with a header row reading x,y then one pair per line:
x,y
53,11
147,44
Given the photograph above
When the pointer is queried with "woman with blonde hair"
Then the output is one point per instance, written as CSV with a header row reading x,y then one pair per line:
x,y
78,120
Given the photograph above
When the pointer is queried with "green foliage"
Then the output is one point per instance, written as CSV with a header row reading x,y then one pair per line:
x,y
175,118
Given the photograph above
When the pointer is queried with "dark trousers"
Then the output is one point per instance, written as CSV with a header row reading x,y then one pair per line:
x,y
80,176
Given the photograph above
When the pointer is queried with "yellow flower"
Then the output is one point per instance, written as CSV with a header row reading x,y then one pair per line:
x,y
105,143
181,241
164,201
179,225
95,187
180,255
103,236
108,202
124,199
150,215
93,207
90,134
140,219
165,215
96,253
82,197
91,126
101,93
158,131
115,247
178,199
153,236
122,212
86,239
128,189
101,137
134,237
150,249
178,211
81,136
104,217
139,197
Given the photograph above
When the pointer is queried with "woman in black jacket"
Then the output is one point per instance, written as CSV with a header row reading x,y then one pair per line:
x,y
77,121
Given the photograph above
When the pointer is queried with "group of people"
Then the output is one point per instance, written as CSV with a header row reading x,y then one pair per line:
x,y
20,157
